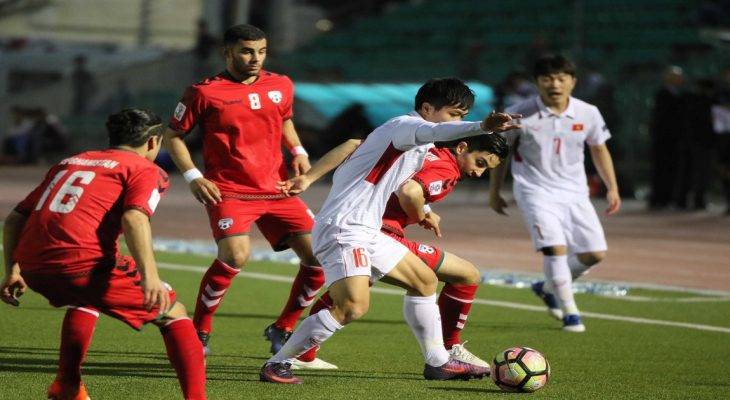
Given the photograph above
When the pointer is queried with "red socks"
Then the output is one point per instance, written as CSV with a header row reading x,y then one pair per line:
x,y
186,356
76,333
323,302
306,285
454,304
212,288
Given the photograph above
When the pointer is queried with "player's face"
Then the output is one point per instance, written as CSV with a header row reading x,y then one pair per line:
x,y
555,88
246,58
443,114
474,163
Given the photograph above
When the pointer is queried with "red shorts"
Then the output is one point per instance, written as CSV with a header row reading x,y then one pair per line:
x,y
278,220
115,291
432,256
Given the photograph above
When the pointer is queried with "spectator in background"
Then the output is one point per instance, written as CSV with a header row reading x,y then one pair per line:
x,y
84,86
515,88
205,44
16,142
35,134
721,125
697,150
665,131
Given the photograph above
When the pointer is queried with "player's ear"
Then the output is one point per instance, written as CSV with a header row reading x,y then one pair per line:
x,y
462,148
426,108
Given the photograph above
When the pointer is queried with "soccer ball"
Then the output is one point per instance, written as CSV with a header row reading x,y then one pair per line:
x,y
520,369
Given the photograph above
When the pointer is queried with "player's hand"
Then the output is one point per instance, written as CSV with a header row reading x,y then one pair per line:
x,y
431,223
500,122
300,164
614,202
13,287
205,191
497,203
155,294
294,186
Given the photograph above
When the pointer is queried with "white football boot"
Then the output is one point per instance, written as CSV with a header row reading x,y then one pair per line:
x,y
460,353
317,363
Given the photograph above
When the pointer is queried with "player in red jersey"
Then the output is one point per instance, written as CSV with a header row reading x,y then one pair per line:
x,y
61,241
443,168
244,113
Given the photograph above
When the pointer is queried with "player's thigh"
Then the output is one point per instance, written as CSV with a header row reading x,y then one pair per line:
x,y
302,246
544,221
234,250
350,298
233,217
585,231
284,220
342,254
457,270
412,274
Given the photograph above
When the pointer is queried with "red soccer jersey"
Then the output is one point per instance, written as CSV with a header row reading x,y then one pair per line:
x,y
242,129
75,214
437,177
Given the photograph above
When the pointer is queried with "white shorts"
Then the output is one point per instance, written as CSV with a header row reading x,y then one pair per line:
x,y
572,224
344,253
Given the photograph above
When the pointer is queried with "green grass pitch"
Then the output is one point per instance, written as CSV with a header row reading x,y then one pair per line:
x,y
377,356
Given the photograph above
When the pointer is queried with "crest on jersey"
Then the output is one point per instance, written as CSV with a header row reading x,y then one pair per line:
x,y
225,223
180,111
577,127
435,188
275,96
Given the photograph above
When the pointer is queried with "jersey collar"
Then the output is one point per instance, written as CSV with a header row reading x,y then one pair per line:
x,y
545,111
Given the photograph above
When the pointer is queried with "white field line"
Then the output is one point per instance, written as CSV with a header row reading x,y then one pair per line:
x,y
495,303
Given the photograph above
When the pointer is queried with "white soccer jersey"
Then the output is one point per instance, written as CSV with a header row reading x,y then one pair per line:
x,y
388,157
548,149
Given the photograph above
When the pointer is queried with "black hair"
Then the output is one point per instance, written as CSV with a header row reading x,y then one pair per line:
x,y
440,92
133,127
492,143
553,64
242,32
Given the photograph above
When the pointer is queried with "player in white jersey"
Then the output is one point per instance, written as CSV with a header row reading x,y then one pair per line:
x,y
550,183
351,248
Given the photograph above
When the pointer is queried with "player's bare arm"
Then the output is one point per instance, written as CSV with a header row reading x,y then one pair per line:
x,y
300,161
327,163
496,179
604,165
13,285
204,190
412,200
138,235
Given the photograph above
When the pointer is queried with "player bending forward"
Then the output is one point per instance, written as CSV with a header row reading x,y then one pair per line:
x,y
442,169
550,184
63,236
347,238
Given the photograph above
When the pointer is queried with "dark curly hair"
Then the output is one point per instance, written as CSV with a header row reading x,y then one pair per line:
x,y
492,143
133,127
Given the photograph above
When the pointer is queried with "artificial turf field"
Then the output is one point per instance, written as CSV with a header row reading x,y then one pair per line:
x,y
377,356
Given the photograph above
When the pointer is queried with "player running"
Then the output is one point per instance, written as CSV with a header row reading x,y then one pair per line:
x,y
61,241
443,168
348,241
550,183
244,113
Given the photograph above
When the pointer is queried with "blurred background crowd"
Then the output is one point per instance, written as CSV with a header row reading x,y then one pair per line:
x,y
659,71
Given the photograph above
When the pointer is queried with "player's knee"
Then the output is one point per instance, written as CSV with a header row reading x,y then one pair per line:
x,y
424,286
470,275
177,311
308,259
592,258
350,311
236,258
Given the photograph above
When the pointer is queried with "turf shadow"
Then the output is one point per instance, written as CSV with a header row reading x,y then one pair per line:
x,y
468,389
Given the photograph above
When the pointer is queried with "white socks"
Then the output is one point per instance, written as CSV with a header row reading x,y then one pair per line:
x,y
560,281
422,315
577,268
314,330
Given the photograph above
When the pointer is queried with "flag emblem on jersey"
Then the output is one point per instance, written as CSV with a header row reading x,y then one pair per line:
x,y
275,96
435,187
577,127
225,223
180,111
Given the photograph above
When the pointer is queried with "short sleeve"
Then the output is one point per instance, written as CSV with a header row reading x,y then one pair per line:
x,y
287,107
599,132
188,111
144,189
27,205
435,179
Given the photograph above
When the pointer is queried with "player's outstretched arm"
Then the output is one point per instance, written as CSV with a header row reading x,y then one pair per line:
x,y
496,180
300,161
327,163
204,190
412,200
13,285
429,132
604,165
138,235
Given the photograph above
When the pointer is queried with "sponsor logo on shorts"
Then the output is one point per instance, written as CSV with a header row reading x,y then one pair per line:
x,y
225,223
275,96
435,187
180,111
422,248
